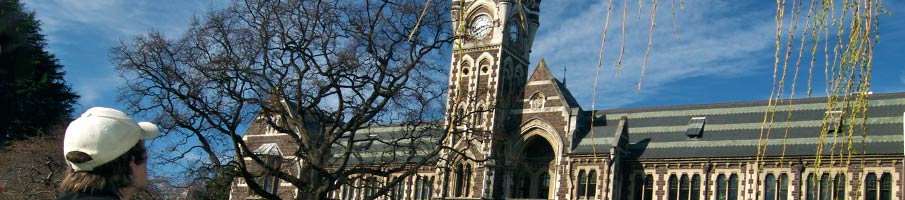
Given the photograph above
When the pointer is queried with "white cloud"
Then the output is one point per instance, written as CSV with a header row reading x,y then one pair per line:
x,y
81,32
718,39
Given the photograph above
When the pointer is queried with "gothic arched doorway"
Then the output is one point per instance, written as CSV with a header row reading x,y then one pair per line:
x,y
532,176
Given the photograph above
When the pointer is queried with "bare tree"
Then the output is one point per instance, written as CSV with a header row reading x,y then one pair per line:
x,y
325,73
33,168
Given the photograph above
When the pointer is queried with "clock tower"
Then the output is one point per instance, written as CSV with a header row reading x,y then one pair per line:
x,y
488,72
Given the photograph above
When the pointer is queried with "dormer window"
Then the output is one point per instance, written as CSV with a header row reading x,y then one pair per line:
x,y
833,121
696,127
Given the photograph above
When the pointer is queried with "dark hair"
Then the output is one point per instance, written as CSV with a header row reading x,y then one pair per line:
x,y
106,179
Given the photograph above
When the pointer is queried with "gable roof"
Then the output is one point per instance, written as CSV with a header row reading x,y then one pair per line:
x,y
734,129
542,73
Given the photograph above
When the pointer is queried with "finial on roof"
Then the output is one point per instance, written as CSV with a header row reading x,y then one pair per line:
x,y
564,70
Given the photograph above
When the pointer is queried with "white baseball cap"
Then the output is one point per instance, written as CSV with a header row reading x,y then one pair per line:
x,y
104,134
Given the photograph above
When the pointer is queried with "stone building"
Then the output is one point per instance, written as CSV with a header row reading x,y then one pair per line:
x,y
546,146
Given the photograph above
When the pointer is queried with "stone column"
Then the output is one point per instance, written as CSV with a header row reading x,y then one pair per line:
x,y
661,182
795,183
708,170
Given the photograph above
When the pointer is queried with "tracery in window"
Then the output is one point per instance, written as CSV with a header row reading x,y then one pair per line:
x,y
466,68
485,66
537,101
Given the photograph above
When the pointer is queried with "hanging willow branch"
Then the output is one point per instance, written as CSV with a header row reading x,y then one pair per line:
x,y
847,70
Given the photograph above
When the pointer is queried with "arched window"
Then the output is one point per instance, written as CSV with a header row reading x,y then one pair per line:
x,y
479,115
582,184
783,187
769,187
466,68
268,181
684,187
839,187
825,186
673,187
418,187
592,184
885,187
721,187
484,64
460,180
426,185
733,187
446,173
811,187
467,180
696,187
649,188
870,184
398,189
543,186
430,188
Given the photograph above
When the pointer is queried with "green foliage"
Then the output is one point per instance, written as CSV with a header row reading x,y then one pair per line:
x,y
33,94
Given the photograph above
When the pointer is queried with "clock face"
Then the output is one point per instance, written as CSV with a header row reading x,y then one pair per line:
x,y
514,32
480,26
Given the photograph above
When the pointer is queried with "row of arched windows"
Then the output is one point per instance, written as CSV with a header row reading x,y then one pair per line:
x,y
826,188
775,187
684,188
422,189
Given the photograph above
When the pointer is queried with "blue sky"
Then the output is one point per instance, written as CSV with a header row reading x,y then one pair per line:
x,y
724,54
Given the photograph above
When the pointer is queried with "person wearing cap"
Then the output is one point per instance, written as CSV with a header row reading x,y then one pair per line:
x,y
106,155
